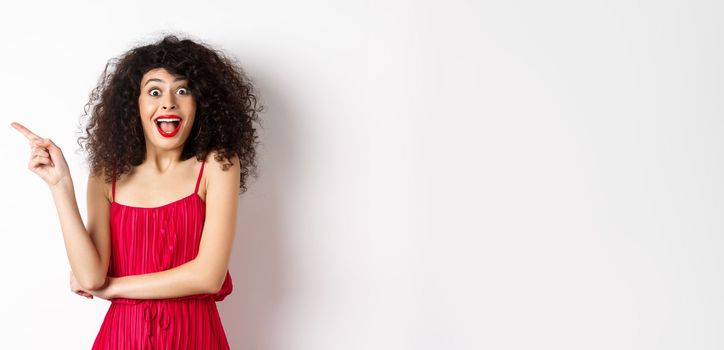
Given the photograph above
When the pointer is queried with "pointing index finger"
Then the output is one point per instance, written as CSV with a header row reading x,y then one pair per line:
x,y
25,131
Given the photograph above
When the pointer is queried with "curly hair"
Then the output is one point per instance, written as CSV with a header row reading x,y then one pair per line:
x,y
227,108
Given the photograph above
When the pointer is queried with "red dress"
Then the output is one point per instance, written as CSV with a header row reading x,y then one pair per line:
x,y
146,240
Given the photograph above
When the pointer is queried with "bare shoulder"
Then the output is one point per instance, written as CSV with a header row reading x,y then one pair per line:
x,y
97,185
223,174
223,165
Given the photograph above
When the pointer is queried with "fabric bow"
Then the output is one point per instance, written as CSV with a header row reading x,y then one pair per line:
x,y
151,312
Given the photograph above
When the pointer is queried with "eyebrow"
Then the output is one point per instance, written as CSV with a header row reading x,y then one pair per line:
x,y
161,81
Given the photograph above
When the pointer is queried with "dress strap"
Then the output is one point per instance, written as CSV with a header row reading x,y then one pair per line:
x,y
113,193
198,181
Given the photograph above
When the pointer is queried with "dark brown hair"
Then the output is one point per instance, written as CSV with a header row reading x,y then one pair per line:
x,y
226,108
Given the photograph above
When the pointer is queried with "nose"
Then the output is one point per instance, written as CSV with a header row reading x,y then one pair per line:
x,y
169,103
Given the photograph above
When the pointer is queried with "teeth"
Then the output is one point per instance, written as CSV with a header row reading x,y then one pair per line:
x,y
167,120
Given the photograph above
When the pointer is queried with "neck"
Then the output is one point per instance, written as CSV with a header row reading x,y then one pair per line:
x,y
162,160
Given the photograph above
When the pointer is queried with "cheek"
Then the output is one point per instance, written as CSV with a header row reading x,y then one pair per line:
x,y
191,107
191,113
190,122
145,108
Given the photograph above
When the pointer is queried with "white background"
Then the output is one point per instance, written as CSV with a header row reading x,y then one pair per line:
x,y
458,175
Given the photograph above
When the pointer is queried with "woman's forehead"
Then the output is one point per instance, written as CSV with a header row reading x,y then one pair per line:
x,y
161,75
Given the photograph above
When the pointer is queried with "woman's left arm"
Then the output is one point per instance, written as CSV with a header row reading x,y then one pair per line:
x,y
206,272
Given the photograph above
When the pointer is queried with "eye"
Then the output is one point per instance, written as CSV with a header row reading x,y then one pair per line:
x,y
183,91
154,92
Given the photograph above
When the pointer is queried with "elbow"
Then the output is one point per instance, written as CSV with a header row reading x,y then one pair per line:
x,y
92,283
207,278
213,285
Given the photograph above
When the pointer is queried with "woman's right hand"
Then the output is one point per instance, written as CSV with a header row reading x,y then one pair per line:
x,y
46,159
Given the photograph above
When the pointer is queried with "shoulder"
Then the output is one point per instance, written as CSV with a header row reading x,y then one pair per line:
x,y
97,184
223,165
222,173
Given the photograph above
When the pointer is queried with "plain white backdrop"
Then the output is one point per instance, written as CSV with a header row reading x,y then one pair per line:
x,y
433,175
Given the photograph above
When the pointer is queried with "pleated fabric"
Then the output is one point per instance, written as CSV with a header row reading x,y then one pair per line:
x,y
146,240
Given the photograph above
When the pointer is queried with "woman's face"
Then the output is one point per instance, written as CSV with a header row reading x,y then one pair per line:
x,y
167,108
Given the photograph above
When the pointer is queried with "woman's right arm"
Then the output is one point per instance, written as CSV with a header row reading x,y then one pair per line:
x,y
88,249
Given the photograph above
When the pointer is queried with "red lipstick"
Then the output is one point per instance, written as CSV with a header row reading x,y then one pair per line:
x,y
171,118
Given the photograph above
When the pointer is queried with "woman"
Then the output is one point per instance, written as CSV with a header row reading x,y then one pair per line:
x,y
156,250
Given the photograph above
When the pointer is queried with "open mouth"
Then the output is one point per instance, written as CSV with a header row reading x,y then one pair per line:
x,y
168,126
